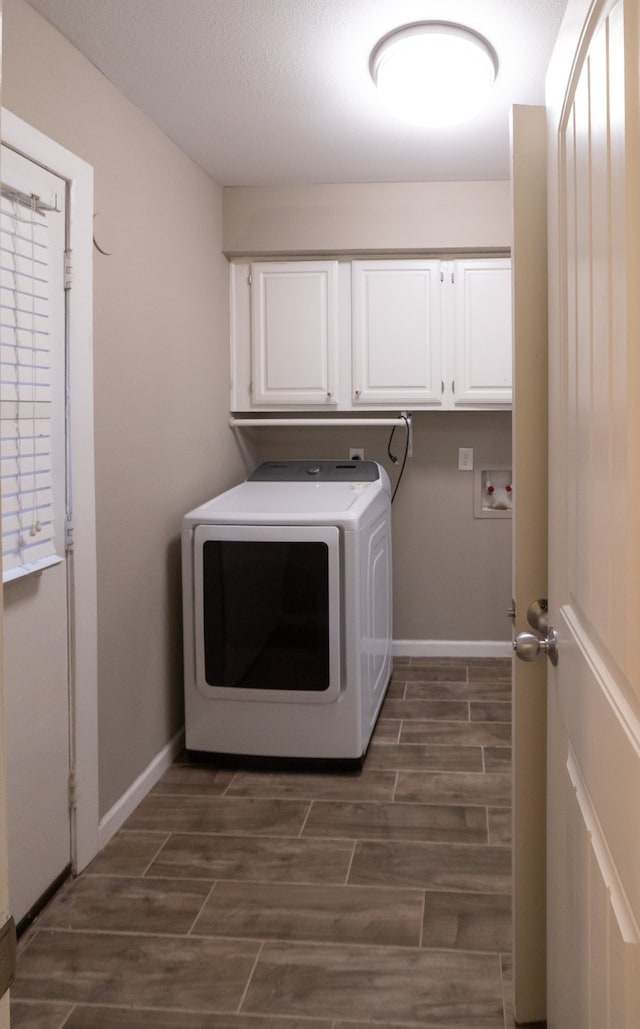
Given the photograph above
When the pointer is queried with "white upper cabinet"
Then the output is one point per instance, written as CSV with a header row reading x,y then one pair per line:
x,y
396,333
294,333
378,334
482,332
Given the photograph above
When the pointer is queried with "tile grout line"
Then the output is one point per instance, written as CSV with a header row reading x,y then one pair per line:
x,y
422,920
226,790
301,835
350,865
156,855
66,1018
250,977
201,908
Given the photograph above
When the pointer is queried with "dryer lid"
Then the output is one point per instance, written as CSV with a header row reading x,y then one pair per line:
x,y
289,502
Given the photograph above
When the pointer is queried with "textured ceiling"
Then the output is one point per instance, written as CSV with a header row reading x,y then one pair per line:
x,y
266,92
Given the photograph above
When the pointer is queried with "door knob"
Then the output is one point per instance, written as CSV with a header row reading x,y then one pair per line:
x,y
537,615
527,646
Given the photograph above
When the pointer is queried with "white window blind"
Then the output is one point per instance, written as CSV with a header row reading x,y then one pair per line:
x,y
27,376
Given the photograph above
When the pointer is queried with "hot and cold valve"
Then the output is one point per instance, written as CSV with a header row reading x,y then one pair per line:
x,y
498,492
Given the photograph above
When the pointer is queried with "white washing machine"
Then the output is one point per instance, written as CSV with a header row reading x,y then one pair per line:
x,y
287,611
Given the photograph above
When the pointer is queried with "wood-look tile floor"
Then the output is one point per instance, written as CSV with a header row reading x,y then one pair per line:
x,y
243,899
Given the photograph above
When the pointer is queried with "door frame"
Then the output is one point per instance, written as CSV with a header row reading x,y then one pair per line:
x,y
81,558
529,543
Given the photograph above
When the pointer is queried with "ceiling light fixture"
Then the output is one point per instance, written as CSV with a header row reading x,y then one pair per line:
x,y
433,73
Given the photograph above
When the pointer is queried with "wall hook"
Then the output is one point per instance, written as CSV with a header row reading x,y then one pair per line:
x,y
105,253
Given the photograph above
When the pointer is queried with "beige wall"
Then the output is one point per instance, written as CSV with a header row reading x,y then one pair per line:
x,y
452,572
357,217
161,376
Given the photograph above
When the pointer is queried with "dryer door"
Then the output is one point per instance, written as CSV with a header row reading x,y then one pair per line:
x,y
267,612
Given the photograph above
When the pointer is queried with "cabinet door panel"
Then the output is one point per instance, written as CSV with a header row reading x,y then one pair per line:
x,y
294,332
482,331
396,332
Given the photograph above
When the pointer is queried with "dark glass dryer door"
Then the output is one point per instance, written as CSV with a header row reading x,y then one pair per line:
x,y
267,612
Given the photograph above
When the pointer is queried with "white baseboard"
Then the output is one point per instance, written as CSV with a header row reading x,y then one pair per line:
x,y
452,648
128,802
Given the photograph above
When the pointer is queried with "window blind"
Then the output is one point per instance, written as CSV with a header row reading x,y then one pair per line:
x,y
26,388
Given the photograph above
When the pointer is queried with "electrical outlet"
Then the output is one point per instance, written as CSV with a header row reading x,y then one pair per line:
x,y
465,459
356,453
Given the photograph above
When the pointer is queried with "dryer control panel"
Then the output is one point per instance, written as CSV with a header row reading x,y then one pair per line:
x,y
319,471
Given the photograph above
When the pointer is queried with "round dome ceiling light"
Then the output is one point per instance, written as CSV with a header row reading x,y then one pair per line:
x,y
433,73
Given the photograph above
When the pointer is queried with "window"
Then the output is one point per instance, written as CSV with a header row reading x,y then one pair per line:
x,y
32,367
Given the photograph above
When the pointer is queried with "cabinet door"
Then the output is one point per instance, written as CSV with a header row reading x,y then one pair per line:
x,y
396,333
482,331
294,332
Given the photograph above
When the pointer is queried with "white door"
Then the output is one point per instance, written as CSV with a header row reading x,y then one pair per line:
x,y
594,527
35,605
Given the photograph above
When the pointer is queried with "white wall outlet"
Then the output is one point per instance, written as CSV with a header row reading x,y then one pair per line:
x,y
465,459
356,453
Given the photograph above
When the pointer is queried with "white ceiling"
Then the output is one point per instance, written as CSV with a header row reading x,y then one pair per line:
x,y
275,92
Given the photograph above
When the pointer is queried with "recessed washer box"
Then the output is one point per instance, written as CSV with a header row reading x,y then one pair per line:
x,y
493,492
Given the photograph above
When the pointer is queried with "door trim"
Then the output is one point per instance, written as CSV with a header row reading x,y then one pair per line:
x,y
529,540
83,657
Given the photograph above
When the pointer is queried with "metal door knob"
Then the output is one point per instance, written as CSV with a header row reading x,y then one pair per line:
x,y
527,646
